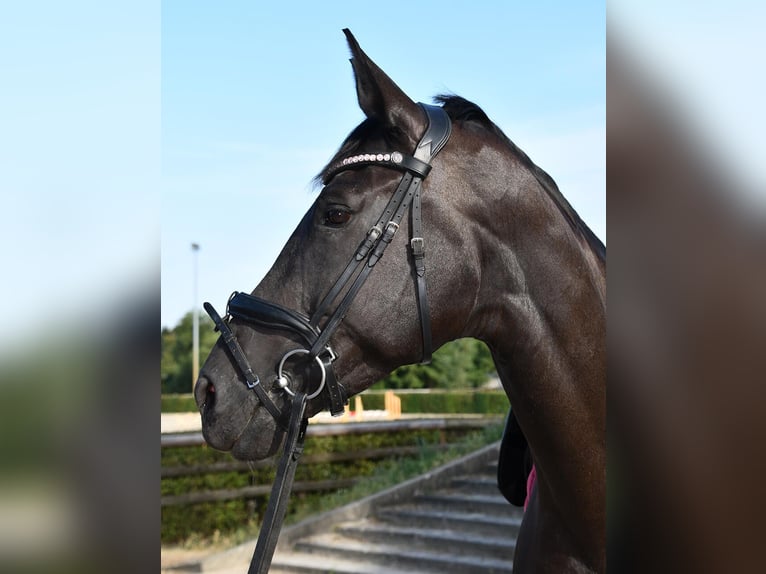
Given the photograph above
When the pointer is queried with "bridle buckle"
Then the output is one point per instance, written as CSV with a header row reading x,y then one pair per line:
x,y
418,246
374,232
255,383
331,355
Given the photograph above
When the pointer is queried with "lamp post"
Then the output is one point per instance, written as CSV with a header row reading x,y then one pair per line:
x,y
195,324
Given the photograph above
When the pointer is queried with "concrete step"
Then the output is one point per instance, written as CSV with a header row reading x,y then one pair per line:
x,y
494,505
459,542
397,558
306,563
476,484
459,523
420,516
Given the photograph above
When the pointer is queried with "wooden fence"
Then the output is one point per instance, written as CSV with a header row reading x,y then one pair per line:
x,y
314,430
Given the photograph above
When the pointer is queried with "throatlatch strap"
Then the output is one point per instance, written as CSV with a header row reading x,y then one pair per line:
x,y
280,492
417,243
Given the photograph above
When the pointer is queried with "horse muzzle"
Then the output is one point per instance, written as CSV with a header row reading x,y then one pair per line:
x,y
316,366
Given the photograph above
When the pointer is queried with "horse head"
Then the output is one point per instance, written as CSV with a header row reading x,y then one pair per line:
x,y
369,201
431,225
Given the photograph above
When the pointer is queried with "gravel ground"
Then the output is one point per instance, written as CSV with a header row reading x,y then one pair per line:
x,y
171,556
180,422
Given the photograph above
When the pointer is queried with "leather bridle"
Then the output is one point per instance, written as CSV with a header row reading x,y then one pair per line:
x,y
263,313
316,338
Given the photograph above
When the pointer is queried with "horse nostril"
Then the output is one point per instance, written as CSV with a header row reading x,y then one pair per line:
x,y
202,391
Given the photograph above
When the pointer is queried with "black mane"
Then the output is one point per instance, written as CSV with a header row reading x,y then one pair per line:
x,y
460,109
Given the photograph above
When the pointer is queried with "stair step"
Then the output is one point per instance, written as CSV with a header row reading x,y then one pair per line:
x,y
476,484
332,545
458,541
429,517
495,504
305,563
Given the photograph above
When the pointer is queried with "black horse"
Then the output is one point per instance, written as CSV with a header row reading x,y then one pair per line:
x,y
507,260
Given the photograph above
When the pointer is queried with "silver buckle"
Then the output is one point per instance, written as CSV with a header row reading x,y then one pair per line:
x,y
331,354
250,385
375,232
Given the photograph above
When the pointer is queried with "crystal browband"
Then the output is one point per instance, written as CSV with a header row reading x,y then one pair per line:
x,y
395,160
395,157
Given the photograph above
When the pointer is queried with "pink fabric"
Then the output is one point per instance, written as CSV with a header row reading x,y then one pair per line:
x,y
531,479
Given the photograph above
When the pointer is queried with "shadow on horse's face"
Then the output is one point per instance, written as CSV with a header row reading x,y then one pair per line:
x,y
382,326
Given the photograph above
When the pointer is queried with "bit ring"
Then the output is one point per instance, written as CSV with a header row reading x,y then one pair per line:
x,y
283,381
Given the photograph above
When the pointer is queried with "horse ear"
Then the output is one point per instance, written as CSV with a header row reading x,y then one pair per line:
x,y
380,98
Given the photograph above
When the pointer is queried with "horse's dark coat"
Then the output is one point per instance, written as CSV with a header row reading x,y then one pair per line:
x,y
508,262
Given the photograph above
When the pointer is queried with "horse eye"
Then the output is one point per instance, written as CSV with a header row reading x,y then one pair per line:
x,y
337,217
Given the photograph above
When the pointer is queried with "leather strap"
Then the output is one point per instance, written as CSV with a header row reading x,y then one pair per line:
x,y
417,166
408,186
336,393
437,134
417,244
280,492
270,315
251,379
395,160
369,242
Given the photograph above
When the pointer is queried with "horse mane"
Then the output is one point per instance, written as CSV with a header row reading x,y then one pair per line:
x,y
460,109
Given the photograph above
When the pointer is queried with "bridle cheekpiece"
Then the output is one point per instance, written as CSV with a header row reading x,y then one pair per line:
x,y
263,313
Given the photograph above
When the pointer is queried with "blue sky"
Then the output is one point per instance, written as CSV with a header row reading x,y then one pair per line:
x,y
256,97
80,165
188,121
125,123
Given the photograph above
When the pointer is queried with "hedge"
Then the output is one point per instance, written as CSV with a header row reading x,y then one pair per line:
x,y
205,519
180,403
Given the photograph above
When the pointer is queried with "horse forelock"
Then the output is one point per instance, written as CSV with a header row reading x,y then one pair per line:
x,y
369,129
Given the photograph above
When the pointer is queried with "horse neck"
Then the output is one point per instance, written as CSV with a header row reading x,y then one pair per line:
x,y
541,309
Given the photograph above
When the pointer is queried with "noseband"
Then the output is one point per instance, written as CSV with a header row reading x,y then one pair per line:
x,y
316,338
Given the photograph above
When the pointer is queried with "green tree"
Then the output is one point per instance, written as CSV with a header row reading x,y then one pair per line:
x,y
176,362
465,363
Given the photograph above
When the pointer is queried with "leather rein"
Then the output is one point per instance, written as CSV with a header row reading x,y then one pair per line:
x,y
262,313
